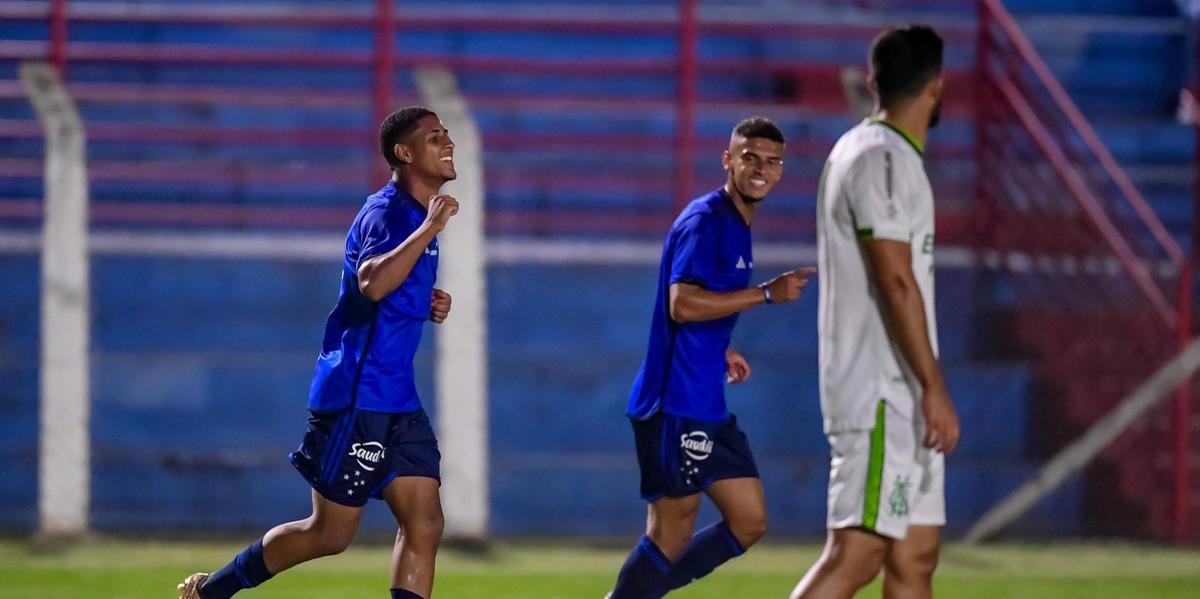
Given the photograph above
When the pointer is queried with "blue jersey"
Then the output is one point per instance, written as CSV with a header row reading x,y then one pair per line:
x,y
684,371
366,358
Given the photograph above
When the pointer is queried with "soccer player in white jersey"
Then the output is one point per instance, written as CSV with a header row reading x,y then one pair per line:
x,y
886,411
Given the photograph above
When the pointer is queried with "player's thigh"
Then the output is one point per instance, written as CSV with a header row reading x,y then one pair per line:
x,y
331,513
416,503
739,500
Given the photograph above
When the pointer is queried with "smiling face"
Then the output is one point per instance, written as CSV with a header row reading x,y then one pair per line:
x,y
754,165
428,152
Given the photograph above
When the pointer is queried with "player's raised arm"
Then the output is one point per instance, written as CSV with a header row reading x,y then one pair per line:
x,y
904,312
382,274
693,303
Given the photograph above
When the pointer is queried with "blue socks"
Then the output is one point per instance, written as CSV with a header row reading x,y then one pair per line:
x,y
644,573
709,548
648,574
246,571
403,594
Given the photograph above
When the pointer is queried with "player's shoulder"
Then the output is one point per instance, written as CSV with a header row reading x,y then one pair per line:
x,y
874,140
701,211
864,140
385,205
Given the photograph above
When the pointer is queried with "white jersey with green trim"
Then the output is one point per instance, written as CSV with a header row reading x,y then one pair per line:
x,y
873,186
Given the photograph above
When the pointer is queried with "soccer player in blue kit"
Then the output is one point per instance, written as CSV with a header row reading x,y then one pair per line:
x,y
687,441
367,434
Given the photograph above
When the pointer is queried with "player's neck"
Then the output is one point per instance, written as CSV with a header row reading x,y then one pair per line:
x,y
744,208
909,120
421,191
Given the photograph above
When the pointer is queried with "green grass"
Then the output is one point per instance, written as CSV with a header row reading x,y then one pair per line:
x,y
133,570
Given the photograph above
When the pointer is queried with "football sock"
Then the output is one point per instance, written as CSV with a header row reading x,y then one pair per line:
x,y
246,571
644,572
405,594
710,548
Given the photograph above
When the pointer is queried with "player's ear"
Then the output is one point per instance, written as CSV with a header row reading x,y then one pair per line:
x,y
934,88
402,153
726,158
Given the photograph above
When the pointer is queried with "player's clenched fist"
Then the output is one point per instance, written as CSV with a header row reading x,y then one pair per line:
x,y
941,420
788,286
441,208
439,306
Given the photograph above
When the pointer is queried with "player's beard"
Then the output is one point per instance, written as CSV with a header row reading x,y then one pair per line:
x,y
746,197
936,115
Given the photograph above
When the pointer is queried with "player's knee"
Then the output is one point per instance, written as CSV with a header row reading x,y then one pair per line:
x,y
328,539
857,568
426,529
914,566
333,542
749,528
671,541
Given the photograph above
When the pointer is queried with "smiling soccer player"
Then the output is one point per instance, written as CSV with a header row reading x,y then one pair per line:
x,y
368,436
687,441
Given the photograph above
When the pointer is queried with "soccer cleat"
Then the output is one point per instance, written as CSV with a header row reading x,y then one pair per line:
x,y
190,587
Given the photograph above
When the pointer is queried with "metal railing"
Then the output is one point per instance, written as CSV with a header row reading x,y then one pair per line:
x,y
1085,240
382,63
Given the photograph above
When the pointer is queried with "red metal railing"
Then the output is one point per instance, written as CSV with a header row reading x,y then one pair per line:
x,y
1102,253
820,82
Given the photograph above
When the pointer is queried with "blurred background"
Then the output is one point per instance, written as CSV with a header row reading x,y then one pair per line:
x,y
230,144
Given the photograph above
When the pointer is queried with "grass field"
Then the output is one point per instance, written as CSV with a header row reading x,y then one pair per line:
x,y
134,570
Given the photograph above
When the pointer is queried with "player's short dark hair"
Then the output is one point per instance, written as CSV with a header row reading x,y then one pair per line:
x,y
758,126
396,127
904,60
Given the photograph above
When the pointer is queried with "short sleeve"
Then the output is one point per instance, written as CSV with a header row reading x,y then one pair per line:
x,y
694,255
875,194
380,231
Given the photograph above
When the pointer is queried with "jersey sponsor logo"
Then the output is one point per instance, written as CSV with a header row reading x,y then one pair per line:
x,y
367,453
927,246
696,445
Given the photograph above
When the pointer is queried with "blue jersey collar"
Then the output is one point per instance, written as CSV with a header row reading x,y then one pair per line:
x,y
732,207
392,192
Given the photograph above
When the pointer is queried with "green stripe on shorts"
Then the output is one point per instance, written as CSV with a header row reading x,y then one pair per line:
x,y
874,471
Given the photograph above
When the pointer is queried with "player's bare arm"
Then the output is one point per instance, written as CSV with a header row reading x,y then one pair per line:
x,y
380,275
737,368
693,303
439,306
891,263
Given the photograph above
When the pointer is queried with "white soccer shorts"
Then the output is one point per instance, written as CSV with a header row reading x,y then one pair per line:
x,y
884,479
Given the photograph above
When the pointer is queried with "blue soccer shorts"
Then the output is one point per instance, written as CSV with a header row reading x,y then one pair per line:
x,y
682,456
351,455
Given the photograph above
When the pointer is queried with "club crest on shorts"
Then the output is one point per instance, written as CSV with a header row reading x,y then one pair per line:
x,y
898,501
696,445
367,454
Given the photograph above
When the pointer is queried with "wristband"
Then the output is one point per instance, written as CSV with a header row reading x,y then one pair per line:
x,y
766,292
